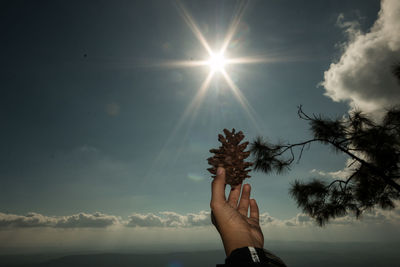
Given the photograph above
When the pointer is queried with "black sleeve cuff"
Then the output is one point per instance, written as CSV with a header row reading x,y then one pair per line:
x,y
250,256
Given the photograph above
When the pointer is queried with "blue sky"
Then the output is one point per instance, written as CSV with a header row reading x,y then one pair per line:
x,y
90,118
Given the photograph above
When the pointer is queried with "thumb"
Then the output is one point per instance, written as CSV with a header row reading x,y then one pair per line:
x,y
218,186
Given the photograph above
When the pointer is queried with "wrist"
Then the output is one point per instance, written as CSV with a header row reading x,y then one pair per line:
x,y
231,244
256,255
245,254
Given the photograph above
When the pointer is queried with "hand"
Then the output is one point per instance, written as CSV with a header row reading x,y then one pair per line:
x,y
230,217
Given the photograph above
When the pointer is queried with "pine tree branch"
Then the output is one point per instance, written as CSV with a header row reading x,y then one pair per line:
x,y
375,179
375,170
335,181
352,163
349,179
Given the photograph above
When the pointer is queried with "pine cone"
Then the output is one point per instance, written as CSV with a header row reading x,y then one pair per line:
x,y
231,156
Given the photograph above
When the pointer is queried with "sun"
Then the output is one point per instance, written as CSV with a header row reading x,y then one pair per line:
x,y
217,62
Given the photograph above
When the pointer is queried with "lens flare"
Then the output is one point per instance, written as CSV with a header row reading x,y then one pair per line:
x,y
217,62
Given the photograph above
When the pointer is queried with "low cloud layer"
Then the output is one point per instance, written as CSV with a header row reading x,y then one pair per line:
x,y
170,230
369,218
363,74
169,219
81,220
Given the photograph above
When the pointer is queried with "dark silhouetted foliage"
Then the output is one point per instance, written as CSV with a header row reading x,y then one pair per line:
x,y
373,174
396,70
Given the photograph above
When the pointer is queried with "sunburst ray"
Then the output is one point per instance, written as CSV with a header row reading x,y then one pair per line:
x,y
193,26
191,111
234,25
242,100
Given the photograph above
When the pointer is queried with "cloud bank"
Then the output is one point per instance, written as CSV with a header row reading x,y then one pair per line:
x,y
170,230
80,220
363,76
169,219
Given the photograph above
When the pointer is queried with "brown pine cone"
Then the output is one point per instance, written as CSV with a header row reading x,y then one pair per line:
x,y
231,156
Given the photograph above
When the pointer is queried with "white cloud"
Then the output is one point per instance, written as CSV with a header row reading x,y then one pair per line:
x,y
340,174
369,218
173,220
200,219
145,220
300,219
81,220
346,172
266,219
87,220
32,219
170,230
373,217
169,219
363,75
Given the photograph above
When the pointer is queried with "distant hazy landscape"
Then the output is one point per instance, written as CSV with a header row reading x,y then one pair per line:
x,y
295,254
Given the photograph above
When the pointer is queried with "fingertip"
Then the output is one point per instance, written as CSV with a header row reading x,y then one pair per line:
x,y
220,178
247,187
235,187
253,203
220,171
218,186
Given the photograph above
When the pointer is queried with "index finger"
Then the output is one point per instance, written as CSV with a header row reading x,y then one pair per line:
x,y
218,187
